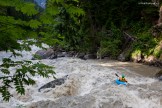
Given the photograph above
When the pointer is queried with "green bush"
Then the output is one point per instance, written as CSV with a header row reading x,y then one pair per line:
x,y
146,43
110,43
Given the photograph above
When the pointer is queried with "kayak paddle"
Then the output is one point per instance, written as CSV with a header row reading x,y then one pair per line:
x,y
116,74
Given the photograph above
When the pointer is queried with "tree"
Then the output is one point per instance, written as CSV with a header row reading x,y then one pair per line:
x,y
18,20
21,20
61,19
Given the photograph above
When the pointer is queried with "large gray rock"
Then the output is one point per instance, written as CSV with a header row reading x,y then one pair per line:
x,y
122,57
44,54
71,54
90,56
61,54
80,55
137,56
53,83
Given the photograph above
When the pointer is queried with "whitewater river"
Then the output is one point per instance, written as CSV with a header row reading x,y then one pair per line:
x,y
90,84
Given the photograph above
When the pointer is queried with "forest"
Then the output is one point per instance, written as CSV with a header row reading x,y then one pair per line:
x,y
127,30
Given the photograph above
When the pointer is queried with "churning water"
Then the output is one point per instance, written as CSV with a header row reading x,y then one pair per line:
x,y
90,84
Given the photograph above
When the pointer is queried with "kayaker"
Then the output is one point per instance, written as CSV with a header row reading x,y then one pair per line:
x,y
122,79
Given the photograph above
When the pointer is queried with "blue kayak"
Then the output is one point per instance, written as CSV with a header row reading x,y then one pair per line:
x,y
120,82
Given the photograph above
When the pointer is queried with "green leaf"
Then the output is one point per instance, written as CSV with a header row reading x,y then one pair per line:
x,y
5,71
53,10
19,85
31,81
34,24
46,19
28,8
73,10
5,93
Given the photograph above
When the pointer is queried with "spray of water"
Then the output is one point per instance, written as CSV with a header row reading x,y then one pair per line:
x,y
90,84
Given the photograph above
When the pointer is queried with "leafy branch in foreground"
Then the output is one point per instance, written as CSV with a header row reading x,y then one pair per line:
x,y
23,74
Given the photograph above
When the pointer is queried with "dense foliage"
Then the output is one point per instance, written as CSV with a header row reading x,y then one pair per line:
x,y
106,21
23,20
18,21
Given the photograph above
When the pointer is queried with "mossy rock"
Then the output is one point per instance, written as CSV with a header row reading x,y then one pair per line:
x,y
158,50
160,58
136,56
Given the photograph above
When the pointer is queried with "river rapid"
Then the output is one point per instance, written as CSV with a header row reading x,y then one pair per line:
x,y
90,84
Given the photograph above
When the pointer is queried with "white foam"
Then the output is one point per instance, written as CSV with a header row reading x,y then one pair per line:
x,y
87,79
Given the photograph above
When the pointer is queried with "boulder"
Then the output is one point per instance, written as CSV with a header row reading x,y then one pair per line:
x,y
159,75
153,61
80,55
53,56
61,54
90,56
58,54
122,57
71,54
150,59
53,83
44,54
136,56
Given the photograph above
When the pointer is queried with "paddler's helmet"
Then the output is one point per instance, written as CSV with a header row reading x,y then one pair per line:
x,y
123,76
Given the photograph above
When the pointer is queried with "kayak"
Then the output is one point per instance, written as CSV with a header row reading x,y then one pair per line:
x,y
120,82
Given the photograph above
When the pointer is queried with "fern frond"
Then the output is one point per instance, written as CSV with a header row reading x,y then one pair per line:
x,y
5,93
27,8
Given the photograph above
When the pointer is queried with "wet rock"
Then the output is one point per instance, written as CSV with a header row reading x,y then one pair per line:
x,y
121,57
70,88
58,55
86,56
90,56
150,58
54,56
44,54
153,61
136,56
159,75
80,55
70,54
61,54
53,83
